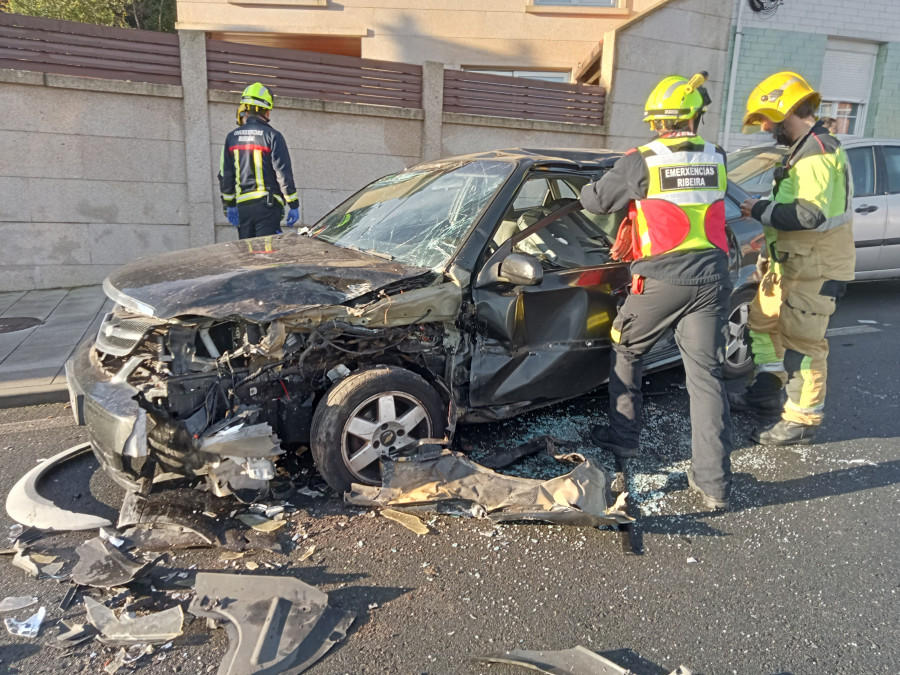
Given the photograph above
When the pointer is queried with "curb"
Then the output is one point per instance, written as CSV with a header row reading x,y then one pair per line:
x,y
25,396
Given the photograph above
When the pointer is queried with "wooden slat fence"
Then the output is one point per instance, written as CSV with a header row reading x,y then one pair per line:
x,y
329,77
71,48
522,98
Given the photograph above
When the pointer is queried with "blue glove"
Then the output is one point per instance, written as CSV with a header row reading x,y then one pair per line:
x,y
232,214
293,217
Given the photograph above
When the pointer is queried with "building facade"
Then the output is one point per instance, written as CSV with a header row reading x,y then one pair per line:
x,y
850,52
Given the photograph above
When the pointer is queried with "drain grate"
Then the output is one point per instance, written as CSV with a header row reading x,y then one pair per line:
x,y
14,323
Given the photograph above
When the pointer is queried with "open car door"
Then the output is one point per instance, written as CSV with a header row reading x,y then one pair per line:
x,y
545,301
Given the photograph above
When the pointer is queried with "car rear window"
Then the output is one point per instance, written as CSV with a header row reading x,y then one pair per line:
x,y
892,168
862,164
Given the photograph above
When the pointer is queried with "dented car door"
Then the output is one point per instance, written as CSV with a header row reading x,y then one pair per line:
x,y
547,338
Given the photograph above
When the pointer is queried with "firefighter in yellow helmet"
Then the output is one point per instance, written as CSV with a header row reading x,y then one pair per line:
x,y
255,174
811,257
674,187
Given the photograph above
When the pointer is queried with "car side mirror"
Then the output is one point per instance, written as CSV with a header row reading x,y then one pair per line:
x,y
521,270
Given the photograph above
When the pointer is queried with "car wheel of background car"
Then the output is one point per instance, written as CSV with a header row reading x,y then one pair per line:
x,y
738,358
370,413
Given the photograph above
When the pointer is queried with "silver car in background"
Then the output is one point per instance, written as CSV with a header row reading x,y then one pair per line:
x,y
875,164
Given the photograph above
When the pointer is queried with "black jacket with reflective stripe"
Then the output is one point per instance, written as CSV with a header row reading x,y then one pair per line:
x,y
255,160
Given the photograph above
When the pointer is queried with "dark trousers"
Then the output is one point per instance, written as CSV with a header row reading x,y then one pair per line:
x,y
256,219
698,314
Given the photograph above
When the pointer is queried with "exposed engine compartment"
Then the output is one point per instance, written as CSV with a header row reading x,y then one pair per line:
x,y
224,397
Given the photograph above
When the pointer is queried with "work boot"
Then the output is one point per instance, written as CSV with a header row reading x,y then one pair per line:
x,y
713,503
600,436
764,396
784,432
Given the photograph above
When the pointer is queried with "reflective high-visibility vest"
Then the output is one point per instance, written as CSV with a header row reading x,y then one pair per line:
x,y
684,209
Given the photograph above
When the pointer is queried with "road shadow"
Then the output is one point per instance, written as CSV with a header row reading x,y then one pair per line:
x,y
750,493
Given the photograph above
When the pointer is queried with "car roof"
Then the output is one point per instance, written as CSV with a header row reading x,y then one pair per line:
x,y
574,158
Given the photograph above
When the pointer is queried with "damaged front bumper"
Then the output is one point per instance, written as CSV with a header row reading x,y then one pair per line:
x,y
106,405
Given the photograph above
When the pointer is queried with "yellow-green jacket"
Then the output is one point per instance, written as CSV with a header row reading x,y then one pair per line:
x,y
810,213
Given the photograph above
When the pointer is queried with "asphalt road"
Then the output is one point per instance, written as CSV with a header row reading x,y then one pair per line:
x,y
800,577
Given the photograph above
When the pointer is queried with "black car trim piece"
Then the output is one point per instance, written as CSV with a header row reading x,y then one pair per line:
x,y
872,243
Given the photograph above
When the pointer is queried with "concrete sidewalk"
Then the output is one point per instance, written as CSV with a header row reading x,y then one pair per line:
x,y
32,359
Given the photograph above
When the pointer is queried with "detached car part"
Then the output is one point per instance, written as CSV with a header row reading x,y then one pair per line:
x,y
274,624
575,661
581,497
25,505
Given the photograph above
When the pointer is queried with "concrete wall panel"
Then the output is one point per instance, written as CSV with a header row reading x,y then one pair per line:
x,y
118,244
78,201
460,139
90,113
44,244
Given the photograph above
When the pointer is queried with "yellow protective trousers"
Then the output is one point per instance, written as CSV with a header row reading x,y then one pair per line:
x,y
787,321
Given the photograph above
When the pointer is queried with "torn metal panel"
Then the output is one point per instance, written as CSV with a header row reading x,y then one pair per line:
x,y
260,280
240,440
274,624
29,628
437,303
127,629
580,497
25,505
103,565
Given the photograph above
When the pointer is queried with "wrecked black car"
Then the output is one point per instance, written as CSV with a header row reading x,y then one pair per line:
x,y
425,300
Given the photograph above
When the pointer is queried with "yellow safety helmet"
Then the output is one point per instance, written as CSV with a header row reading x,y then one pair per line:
x,y
775,97
253,98
256,94
676,98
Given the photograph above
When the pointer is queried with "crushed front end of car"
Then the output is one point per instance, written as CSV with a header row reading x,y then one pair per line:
x,y
222,389
216,360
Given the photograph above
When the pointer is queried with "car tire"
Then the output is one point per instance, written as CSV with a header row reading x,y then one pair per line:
x,y
370,412
738,357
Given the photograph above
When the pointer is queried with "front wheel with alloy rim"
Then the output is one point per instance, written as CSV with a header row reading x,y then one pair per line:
x,y
382,411
738,357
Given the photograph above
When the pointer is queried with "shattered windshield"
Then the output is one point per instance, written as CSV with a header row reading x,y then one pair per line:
x,y
419,216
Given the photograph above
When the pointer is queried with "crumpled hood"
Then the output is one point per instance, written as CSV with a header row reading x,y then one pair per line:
x,y
258,279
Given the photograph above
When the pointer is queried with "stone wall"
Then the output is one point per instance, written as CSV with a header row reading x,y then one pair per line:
x,y
94,175
686,36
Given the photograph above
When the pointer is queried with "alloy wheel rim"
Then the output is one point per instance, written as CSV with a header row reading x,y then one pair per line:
x,y
389,423
737,350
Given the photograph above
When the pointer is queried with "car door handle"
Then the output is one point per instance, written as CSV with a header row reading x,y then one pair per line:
x,y
865,208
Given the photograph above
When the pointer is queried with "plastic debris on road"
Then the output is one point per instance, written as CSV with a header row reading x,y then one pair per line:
x,y
128,629
13,603
576,661
29,628
274,624
409,521
103,566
